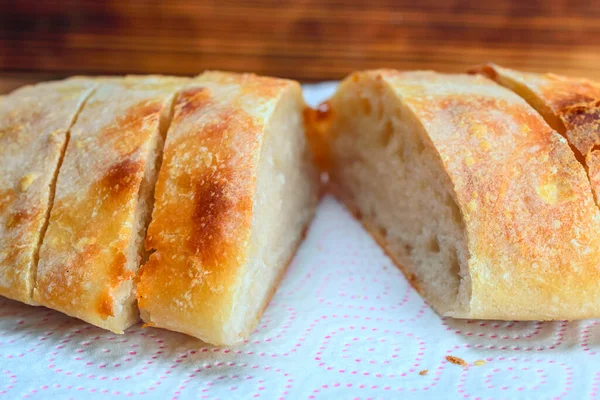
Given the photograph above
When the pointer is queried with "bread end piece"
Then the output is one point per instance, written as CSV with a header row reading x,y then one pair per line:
x,y
235,193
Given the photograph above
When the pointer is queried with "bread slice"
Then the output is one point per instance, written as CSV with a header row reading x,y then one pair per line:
x,y
234,195
34,125
570,105
94,242
473,195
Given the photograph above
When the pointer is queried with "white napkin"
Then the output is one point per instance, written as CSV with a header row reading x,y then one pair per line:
x,y
344,323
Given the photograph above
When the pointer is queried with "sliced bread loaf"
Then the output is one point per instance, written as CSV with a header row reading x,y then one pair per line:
x,y
482,205
34,128
94,242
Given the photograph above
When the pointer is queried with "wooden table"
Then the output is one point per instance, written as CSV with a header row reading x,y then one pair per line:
x,y
307,40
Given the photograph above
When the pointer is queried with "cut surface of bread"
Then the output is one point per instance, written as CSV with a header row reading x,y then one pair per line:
x,y
94,242
34,125
234,195
482,205
570,105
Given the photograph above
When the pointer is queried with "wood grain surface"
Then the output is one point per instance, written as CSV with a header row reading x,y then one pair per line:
x,y
307,40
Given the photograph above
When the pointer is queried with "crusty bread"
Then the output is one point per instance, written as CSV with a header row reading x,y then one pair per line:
x,y
570,105
234,195
94,242
480,202
34,125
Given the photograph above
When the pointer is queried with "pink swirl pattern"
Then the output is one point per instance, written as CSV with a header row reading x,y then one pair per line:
x,y
343,324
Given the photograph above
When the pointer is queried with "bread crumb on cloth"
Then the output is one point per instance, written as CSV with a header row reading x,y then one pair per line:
x,y
423,372
457,361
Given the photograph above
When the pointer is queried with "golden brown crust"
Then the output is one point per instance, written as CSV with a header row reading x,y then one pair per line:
x,y
34,122
86,263
204,202
575,102
570,105
526,203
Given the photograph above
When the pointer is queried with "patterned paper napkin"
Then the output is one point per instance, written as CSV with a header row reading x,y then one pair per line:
x,y
343,324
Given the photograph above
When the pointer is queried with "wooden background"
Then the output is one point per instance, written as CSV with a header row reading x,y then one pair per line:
x,y
304,39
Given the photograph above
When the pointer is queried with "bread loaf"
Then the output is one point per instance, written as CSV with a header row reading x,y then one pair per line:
x,y
483,206
34,125
234,195
94,242
476,196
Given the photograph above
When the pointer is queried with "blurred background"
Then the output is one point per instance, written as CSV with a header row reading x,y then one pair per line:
x,y
308,40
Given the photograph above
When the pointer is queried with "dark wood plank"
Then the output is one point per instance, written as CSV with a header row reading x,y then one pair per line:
x,y
304,39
